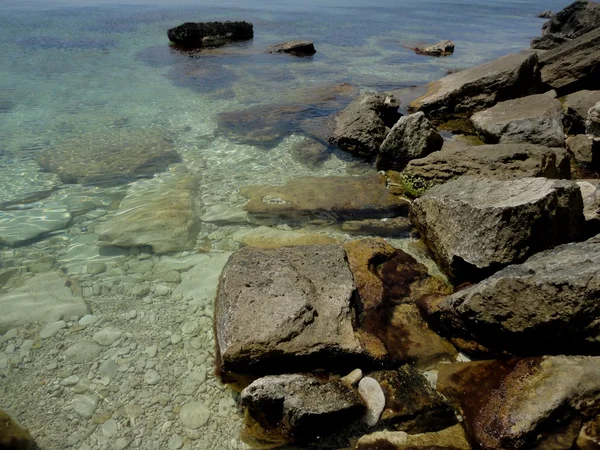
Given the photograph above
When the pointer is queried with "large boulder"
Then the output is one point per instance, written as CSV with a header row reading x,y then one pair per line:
x,y
576,107
547,305
524,404
574,65
283,310
501,162
535,119
576,19
411,137
511,76
297,408
475,226
210,34
362,127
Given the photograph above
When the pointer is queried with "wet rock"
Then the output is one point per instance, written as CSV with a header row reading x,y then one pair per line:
x,y
374,399
475,226
592,124
12,435
297,48
194,415
42,298
473,89
574,65
310,152
394,227
528,403
442,48
576,108
362,127
501,162
297,408
85,405
452,438
161,213
283,310
323,198
546,305
547,42
116,157
582,148
410,138
589,436
266,237
20,226
352,378
210,34
535,119
576,19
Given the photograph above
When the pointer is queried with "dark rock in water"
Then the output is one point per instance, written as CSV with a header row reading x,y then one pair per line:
x,y
310,152
297,408
576,107
547,305
545,15
453,438
524,404
473,89
410,138
210,34
12,435
535,119
575,20
574,65
298,48
547,42
362,127
443,48
475,226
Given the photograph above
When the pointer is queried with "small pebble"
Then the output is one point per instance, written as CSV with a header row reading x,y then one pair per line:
x,y
194,415
151,377
88,319
50,330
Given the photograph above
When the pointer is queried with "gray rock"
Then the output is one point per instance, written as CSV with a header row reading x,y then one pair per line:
x,y
284,309
151,377
88,319
108,368
582,149
372,395
210,34
576,107
591,205
110,428
474,89
410,138
85,405
442,48
298,48
361,127
548,304
547,42
19,226
175,442
107,336
194,415
474,226
592,124
50,330
574,20
42,298
545,15
95,268
194,380
500,162
83,351
535,119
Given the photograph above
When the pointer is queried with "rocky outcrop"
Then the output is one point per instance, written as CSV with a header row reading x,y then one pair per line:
x,y
297,48
592,124
591,205
573,21
453,438
210,34
535,119
410,138
474,89
582,149
297,408
524,404
12,435
589,436
323,198
576,107
547,42
501,162
442,48
362,127
547,305
475,226
574,65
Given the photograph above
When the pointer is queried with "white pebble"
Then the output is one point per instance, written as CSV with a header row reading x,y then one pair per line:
x,y
371,392
194,415
151,377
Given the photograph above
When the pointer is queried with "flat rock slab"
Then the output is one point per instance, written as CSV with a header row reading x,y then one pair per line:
x,y
535,119
475,226
267,237
547,305
210,34
20,226
43,298
500,162
324,198
576,108
523,404
161,213
285,309
473,89
298,48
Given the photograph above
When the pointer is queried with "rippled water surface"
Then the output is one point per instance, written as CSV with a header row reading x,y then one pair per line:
x,y
96,84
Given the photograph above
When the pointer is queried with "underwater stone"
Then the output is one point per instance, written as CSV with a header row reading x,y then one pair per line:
x,y
83,351
373,396
194,415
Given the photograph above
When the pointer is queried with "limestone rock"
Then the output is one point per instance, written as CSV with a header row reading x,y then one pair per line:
x,y
210,34
500,162
297,408
394,227
372,394
473,89
21,225
574,20
535,119
283,310
576,108
452,438
474,226
590,192
266,237
43,298
361,127
442,48
410,138
592,124
547,42
323,198
83,351
298,48
546,305
12,435
109,158
161,212
582,149
529,403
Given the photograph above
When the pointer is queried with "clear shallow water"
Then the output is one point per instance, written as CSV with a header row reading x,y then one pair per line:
x,y
70,70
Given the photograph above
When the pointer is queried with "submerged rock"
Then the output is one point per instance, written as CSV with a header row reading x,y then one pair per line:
x,y
22,225
210,34
577,106
442,48
453,438
535,119
266,237
12,435
547,305
298,48
475,226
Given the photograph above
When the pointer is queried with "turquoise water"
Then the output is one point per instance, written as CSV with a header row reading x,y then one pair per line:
x,y
84,79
